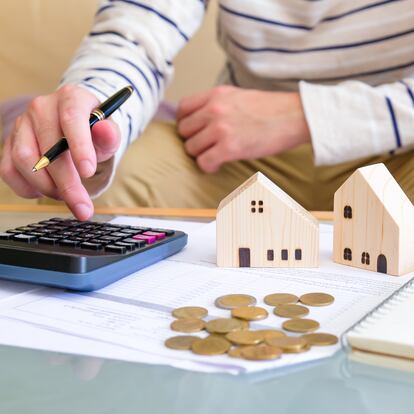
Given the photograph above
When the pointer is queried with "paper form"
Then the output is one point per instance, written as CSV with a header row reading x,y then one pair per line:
x,y
135,312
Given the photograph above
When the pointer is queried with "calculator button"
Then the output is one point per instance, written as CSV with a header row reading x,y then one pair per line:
x,y
131,231
24,229
6,236
119,234
167,232
99,241
119,226
139,228
13,231
35,233
36,226
69,243
25,238
110,238
138,243
91,246
157,235
115,249
148,239
128,246
48,240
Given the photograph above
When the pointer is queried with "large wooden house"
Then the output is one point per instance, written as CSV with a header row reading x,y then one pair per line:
x,y
374,223
259,225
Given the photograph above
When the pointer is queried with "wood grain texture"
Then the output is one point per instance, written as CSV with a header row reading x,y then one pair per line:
x,y
382,223
137,211
258,218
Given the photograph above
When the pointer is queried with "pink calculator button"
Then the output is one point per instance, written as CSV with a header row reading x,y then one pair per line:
x,y
148,239
156,234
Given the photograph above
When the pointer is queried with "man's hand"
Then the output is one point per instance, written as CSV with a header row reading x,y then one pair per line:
x,y
229,123
63,113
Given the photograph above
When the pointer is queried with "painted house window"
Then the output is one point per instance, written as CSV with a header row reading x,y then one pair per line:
x,y
298,254
284,254
348,212
365,258
270,255
347,254
254,203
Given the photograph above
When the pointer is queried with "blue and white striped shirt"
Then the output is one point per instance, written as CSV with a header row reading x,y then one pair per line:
x,y
352,61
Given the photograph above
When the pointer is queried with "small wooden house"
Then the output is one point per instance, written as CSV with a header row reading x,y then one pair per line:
x,y
374,223
259,225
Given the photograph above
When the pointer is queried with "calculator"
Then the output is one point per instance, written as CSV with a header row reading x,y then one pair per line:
x,y
82,255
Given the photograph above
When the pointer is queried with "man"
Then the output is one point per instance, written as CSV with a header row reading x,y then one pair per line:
x,y
331,73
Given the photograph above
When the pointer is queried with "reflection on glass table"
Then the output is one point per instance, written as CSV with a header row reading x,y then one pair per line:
x,y
43,382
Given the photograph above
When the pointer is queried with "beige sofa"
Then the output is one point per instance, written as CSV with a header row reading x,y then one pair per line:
x,y
38,39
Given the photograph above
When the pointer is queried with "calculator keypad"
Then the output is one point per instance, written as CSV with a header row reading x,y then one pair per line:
x,y
90,236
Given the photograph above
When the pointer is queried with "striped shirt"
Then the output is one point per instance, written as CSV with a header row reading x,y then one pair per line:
x,y
352,61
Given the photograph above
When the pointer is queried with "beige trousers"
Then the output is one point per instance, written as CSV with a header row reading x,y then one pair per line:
x,y
156,172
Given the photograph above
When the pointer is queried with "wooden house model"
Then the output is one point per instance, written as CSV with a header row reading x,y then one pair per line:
x,y
374,223
259,225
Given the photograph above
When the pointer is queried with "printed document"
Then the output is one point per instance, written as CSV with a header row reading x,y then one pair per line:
x,y
134,314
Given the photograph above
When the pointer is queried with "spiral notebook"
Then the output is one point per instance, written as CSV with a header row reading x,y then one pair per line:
x,y
387,333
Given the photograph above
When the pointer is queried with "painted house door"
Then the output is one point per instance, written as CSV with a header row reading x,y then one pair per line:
x,y
244,257
382,264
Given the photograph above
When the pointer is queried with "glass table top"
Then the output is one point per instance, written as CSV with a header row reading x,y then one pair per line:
x,y
43,382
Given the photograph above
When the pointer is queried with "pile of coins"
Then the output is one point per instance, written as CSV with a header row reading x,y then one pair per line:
x,y
233,335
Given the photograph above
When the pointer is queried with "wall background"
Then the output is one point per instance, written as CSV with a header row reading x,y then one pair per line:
x,y
38,38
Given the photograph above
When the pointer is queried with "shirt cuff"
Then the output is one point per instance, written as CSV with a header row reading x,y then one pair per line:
x,y
344,122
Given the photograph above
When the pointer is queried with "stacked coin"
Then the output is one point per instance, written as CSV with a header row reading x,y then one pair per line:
x,y
233,335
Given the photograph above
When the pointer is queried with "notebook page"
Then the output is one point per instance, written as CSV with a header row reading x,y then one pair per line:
x,y
390,328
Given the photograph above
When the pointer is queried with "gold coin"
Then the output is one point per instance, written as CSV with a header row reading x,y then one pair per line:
x,y
289,344
235,351
234,301
320,339
245,337
188,325
317,299
190,312
290,311
271,333
280,299
211,345
224,325
301,325
249,313
261,352
244,324
181,342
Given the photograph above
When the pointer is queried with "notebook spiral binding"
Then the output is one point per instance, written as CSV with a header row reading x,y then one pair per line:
x,y
380,311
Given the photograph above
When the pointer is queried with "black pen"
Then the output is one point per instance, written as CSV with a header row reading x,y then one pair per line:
x,y
103,111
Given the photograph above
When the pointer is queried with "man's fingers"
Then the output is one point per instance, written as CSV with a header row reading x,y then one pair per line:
x,y
13,178
193,123
74,107
211,160
200,142
192,103
70,187
25,153
106,139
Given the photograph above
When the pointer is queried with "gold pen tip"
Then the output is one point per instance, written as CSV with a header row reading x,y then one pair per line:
x,y
42,163
130,88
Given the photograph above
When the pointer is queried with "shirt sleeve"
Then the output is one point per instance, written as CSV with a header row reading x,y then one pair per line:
x,y
134,43
353,119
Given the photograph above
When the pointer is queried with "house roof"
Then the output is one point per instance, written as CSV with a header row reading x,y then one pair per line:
x,y
274,189
389,193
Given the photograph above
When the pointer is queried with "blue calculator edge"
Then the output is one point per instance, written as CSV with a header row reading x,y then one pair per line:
x,y
98,278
